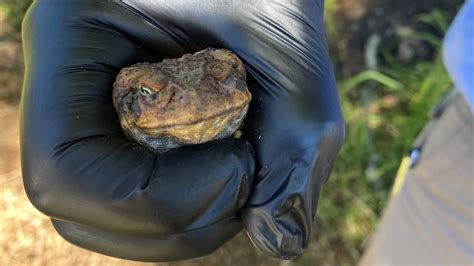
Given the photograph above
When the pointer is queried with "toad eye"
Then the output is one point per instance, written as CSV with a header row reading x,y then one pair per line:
x,y
145,91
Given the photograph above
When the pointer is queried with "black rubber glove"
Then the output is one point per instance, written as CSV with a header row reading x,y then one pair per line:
x,y
101,191
114,197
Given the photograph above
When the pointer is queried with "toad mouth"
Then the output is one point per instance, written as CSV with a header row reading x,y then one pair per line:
x,y
146,129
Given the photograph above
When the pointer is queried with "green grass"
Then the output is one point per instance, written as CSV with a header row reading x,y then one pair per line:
x,y
384,112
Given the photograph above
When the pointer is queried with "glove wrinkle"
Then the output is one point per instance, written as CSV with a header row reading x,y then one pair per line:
x,y
150,176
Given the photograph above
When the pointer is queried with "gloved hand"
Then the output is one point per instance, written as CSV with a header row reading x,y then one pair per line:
x,y
108,195
101,191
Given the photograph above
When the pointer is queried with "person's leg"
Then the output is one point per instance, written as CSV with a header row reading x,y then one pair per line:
x,y
430,217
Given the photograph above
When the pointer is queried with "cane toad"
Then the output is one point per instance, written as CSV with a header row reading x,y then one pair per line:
x,y
194,99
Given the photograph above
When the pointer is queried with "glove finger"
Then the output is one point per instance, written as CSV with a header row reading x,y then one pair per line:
x,y
179,246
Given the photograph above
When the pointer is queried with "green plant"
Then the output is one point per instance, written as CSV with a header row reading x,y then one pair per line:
x,y
15,10
378,134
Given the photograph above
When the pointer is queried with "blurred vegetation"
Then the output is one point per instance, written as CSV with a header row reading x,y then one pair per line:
x,y
15,10
385,107
384,111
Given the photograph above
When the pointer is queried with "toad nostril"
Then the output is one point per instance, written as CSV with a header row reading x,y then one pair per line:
x,y
176,97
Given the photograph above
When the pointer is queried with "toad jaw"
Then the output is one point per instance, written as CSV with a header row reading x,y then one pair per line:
x,y
196,131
